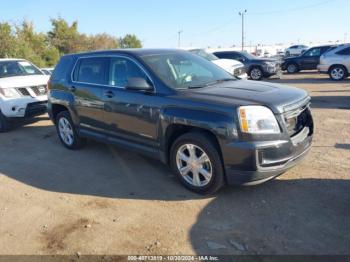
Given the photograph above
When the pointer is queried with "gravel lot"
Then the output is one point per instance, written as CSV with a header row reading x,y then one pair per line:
x,y
105,200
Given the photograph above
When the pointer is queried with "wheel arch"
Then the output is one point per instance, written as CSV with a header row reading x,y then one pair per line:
x,y
335,65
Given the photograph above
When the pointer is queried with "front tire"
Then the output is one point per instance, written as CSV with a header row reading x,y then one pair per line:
x,y
292,68
256,74
196,161
4,125
338,73
67,132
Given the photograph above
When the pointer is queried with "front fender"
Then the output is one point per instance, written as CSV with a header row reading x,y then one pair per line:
x,y
221,124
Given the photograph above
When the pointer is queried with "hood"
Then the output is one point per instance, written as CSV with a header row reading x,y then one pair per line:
x,y
263,59
24,81
243,92
292,58
228,64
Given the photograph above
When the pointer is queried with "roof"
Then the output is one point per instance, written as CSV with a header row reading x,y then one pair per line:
x,y
134,51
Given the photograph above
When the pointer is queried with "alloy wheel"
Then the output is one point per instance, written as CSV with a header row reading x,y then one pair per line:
x,y
256,74
66,131
337,73
194,165
291,68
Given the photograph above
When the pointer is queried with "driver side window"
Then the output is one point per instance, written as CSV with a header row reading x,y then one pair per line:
x,y
313,52
122,69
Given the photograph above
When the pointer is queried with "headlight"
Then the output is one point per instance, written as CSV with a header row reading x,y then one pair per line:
x,y
271,64
9,93
257,120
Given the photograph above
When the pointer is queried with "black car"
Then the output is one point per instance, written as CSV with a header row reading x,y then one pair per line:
x,y
256,67
307,61
210,127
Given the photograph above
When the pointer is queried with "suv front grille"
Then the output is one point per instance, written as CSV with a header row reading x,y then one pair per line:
x,y
37,90
298,119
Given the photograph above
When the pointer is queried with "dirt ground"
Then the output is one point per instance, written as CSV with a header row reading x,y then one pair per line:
x,y
105,200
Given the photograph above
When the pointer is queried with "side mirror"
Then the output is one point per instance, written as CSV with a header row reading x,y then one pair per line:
x,y
138,83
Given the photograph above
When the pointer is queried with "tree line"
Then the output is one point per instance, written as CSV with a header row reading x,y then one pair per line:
x,y
45,49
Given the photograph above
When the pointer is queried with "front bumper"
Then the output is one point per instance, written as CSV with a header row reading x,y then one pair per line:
x,y
248,163
272,70
24,107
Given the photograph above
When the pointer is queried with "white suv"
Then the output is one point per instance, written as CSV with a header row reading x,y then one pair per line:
x,y
296,50
231,66
23,91
336,62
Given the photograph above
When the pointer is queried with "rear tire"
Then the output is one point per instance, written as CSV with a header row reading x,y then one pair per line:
x,y
338,73
4,125
196,161
67,132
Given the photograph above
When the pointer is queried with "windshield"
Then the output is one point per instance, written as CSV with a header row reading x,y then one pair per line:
x,y
18,68
204,54
184,70
248,56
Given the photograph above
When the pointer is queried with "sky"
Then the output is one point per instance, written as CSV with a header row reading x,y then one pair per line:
x,y
209,23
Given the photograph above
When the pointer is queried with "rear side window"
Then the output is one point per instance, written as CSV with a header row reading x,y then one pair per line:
x,y
61,70
91,70
345,51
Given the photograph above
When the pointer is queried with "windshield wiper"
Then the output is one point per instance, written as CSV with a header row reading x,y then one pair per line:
x,y
212,83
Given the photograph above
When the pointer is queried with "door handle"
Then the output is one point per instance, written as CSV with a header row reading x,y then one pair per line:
x,y
72,88
109,94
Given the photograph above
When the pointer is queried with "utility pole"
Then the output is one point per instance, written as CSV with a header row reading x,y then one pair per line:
x,y
242,15
179,40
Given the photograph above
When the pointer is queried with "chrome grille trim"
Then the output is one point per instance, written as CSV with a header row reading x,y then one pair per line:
x,y
297,105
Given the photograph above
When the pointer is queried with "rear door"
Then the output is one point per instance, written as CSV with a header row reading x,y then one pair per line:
x,y
88,79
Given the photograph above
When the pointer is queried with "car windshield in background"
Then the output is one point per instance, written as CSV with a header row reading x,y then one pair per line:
x,y
248,56
185,70
204,54
17,68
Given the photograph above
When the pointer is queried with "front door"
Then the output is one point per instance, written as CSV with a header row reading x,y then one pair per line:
x,y
311,59
130,115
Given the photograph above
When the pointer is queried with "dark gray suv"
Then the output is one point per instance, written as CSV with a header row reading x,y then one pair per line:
x,y
256,67
211,128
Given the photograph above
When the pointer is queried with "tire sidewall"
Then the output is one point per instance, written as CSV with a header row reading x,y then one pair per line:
x,y
3,123
218,173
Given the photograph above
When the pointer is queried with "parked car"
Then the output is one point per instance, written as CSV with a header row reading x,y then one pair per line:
x,y
307,61
23,91
257,68
172,105
295,50
234,67
47,71
336,62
